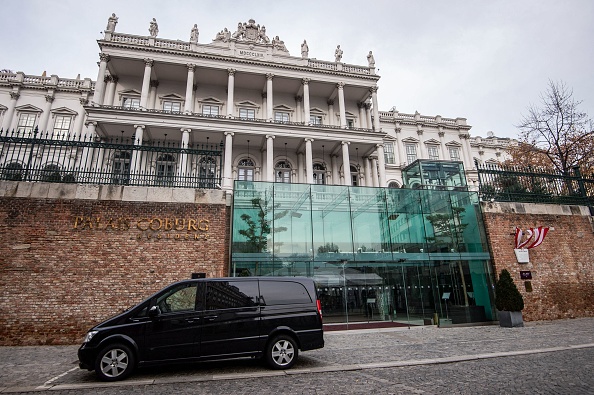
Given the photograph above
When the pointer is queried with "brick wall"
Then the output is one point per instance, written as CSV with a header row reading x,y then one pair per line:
x,y
63,271
562,266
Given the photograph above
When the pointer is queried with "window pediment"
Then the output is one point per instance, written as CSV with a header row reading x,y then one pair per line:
x,y
453,144
129,92
211,100
3,108
247,104
63,111
410,140
283,107
172,96
28,108
316,111
432,142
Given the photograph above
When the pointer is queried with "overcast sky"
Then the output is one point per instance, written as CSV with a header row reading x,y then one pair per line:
x,y
482,60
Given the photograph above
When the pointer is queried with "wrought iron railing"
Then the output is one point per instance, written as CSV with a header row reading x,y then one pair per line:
x,y
534,185
47,157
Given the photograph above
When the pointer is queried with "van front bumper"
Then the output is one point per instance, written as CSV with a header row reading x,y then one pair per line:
x,y
86,357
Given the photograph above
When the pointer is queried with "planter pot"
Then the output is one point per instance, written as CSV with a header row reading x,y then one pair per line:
x,y
510,319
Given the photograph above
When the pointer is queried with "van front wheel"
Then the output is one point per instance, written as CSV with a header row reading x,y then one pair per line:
x,y
282,352
114,362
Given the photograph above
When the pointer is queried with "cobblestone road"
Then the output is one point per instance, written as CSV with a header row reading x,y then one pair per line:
x,y
546,357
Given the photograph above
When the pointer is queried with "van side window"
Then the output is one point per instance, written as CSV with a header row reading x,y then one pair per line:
x,y
283,292
181,298
231,294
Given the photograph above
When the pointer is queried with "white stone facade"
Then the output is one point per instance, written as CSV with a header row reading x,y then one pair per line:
x,y
280,117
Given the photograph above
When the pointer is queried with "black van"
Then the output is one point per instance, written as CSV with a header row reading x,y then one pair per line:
x,y
206,319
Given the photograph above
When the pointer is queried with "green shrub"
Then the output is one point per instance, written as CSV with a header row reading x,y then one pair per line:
x,y
507,296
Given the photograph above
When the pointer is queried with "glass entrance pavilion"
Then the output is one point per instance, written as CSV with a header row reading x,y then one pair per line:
x,y
377,254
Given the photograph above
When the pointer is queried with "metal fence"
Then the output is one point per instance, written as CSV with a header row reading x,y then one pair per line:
x,y
46,157
534,185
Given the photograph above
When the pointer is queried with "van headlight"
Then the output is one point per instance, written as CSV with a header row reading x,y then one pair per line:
x,y
89,336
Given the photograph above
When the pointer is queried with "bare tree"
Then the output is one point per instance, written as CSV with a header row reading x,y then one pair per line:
x,y
558,130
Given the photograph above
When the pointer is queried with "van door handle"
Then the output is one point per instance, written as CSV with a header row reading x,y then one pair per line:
x,y
191,320
210,317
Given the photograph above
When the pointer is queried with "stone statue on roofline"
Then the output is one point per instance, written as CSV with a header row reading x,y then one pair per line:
x,y
338,54
153,28
112,21
194,34
371,59
304,50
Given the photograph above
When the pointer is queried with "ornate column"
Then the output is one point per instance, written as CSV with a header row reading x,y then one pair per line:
x,y
308,162
14,96
381,164
374,172
154,84
367,172
146,80
442,145
399,145
182,170
306,109
188,107
49,99
467,155
87,159
100,84
299,113
342,108
362,117
227,176
346,164
368,115
301,168
111,90
331,115
269,158
78,126
136,155
376,123
230,91
269,101
334,166
421,143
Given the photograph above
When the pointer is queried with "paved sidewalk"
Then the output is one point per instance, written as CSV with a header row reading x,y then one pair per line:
x,y
42,368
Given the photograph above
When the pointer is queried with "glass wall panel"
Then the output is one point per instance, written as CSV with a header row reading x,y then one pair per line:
x,y
406,256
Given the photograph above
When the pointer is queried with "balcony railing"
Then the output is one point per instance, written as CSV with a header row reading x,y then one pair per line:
x,y
533,185
47,157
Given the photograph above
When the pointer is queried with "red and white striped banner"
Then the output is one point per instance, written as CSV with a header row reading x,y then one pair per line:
x,y
534,237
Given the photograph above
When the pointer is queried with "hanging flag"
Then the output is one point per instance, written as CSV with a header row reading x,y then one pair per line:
x,y
539,235
519,234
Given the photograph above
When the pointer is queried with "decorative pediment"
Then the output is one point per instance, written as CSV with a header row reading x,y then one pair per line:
x,y
410,140
129,92
283,107
64,111
316,111
389,138
432,142
211,100
28,108
248,103
453,144
172,96
349,114
3,109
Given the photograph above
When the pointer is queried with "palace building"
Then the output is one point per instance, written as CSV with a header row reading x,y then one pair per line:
x,y
231,157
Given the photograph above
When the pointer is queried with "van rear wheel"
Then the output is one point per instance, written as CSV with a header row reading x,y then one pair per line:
x,y
114,362
282,352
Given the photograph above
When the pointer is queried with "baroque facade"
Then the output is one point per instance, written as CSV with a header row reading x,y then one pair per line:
x,y
280,118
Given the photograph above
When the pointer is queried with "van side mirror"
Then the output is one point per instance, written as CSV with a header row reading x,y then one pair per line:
x,y
154,311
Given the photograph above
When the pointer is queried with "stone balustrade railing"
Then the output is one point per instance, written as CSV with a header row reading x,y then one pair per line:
x,y
33,80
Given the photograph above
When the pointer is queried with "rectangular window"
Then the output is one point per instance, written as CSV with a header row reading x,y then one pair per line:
x,y
210,110
433,152
454,153
26,122
389,153
172,106
315,119
350,123
231,294
281,116
411,153
62,125
131,102
247,113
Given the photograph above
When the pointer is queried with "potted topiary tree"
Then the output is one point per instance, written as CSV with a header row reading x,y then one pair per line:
x,y
508,301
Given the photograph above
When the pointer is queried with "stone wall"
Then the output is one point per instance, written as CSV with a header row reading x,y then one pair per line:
x,y
562,267
73,255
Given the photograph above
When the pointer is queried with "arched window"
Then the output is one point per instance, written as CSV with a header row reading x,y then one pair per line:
x,y
319,173
282,172
245,170
165,169
354,176
51,173
393,184
13,172
121,168
208,172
